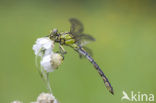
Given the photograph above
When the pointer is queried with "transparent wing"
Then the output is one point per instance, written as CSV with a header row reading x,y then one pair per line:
x,y
76,30
83,39
88,50
76,26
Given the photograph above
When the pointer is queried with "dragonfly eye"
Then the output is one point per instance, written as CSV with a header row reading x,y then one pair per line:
x,y
55,31
53,34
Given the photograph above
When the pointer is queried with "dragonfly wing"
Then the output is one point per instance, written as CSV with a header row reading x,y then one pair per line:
x,y
83,39
76,26
76,30
88,50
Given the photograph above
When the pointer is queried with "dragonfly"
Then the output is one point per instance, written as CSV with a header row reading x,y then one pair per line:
x,y
77,40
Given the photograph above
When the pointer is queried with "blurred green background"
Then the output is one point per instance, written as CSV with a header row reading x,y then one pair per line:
x,y
125,49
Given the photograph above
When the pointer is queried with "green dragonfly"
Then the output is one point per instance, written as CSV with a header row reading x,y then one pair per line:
x,y
76,39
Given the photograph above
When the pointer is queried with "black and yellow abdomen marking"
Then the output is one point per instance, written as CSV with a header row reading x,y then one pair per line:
x,y
106,82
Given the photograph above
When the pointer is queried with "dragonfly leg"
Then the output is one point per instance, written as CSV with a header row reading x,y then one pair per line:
x,y
62,51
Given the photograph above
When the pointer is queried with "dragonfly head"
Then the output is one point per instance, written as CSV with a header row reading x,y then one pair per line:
x,y
53,35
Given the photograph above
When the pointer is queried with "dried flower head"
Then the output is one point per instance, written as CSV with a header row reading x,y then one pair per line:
x,y
51,62
56,60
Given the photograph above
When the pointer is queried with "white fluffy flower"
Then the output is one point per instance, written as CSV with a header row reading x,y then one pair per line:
x,y
43,46
46,63
16,102
46,98
51,62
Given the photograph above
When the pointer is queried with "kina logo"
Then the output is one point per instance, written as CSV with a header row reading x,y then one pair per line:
x,y
138,96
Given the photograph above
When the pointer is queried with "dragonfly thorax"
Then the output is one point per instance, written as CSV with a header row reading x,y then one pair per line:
x,y
62,37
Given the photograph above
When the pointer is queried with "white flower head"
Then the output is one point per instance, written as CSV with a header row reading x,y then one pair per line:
x,y
51,62
16,102
43,46
46,98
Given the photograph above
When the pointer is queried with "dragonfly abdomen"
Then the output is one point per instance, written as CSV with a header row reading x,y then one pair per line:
x,y
106,82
